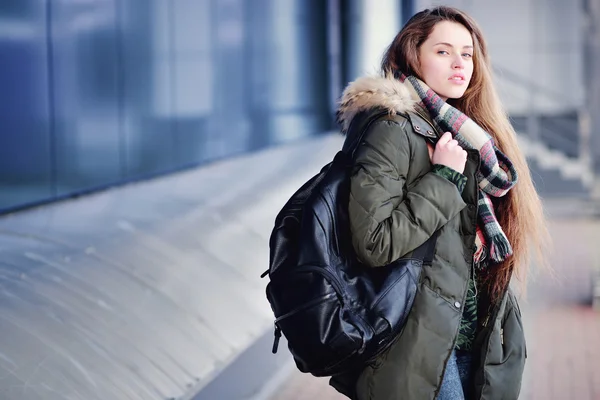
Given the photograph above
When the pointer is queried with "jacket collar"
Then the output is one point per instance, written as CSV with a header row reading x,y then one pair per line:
x,y
422,124
371,92
386,93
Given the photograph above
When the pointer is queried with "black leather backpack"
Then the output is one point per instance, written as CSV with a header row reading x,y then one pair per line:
x,y
336,313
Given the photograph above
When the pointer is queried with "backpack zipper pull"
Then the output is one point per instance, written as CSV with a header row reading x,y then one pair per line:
x,y
277,337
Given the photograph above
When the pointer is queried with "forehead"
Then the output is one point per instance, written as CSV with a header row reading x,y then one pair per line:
x,y
452,33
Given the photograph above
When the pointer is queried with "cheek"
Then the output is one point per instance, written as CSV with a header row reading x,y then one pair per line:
x,y
470,73
431,72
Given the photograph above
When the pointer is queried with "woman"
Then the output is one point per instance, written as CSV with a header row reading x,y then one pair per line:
x,y
463,338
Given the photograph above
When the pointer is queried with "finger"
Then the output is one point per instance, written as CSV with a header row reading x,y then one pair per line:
x,y
452,144
430,150
446,137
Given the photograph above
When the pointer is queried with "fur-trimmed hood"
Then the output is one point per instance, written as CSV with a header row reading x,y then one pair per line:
x,y
373,92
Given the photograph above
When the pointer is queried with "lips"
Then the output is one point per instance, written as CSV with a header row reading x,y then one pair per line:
x,y
457,78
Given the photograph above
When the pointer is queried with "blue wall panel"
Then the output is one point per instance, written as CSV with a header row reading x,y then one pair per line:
x,y
147,76
85,94
97,93
25,150
193,79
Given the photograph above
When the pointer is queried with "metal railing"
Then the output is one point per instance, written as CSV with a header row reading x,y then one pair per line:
x,y
559,131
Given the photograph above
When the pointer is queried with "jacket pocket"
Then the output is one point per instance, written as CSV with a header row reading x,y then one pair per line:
x,y
519,319
507,353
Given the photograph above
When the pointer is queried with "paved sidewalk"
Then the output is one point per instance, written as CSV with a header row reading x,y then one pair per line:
x,y
563,332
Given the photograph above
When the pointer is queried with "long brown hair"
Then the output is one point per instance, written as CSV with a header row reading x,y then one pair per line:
x,y
520,212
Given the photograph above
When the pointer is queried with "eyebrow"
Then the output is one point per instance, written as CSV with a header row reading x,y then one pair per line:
x,y
449,45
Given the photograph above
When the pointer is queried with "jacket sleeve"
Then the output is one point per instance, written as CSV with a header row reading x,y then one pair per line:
x,y
452,175
387,219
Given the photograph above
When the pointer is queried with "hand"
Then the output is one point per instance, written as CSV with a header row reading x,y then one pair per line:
x,y
449,153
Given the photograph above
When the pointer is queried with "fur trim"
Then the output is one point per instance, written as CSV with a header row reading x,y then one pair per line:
x,y
373,92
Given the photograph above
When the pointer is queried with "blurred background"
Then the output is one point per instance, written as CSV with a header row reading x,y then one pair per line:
x,y
147,145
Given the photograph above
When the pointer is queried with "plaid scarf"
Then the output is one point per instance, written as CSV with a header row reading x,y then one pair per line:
x,y
496,175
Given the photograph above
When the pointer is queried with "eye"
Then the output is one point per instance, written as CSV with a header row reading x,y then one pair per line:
x,y
442,52
467,55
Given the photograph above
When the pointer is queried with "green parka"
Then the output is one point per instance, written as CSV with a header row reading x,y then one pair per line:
x,y
396,203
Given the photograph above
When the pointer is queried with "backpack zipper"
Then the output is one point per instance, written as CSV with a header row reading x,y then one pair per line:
x,y
331,277
314,302
356,319
277,335
305,306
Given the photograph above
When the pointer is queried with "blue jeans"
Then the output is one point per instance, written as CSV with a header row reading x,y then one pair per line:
x,y
458,376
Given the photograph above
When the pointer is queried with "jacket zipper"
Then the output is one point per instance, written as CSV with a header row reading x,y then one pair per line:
x,y
465,294
487,318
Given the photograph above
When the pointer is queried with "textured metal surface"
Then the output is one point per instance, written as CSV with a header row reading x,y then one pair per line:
x,y
146,291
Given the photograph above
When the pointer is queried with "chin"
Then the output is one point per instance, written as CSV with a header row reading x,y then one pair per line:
x,y
452,92
455,94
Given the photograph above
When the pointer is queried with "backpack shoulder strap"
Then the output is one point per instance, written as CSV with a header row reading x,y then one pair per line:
x,y
354,139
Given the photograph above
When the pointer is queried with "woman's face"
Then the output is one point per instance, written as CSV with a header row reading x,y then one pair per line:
x,y
446,60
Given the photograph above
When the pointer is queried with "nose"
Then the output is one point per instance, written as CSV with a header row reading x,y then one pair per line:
x,y
458,62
